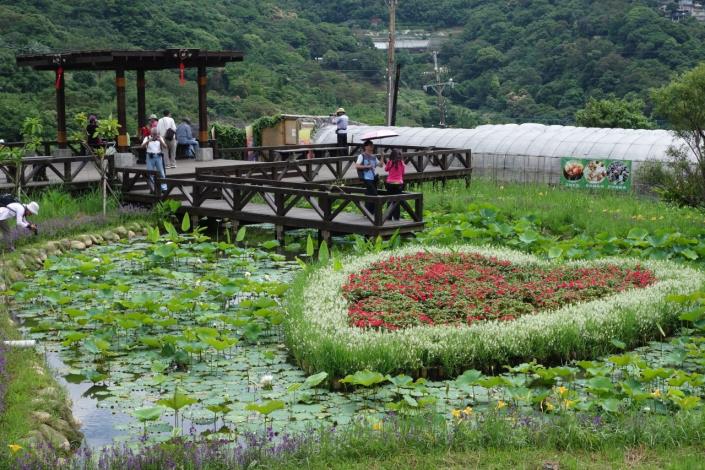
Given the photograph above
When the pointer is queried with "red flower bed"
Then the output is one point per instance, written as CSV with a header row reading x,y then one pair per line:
x,y
454,289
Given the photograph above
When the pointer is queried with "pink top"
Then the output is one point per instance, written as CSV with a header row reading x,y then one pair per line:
x,y
395,173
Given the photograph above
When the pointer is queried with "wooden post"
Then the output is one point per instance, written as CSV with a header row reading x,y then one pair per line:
x,y
141,103
279,233
202,107
122,144
60,109
324,236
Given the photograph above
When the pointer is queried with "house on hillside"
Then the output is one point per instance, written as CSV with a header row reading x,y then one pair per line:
x,y
682,9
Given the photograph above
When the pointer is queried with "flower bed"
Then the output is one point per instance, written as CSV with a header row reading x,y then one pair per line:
x,y
457,288
321,336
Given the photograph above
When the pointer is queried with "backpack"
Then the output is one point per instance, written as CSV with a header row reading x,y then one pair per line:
x,y
169,135
6,199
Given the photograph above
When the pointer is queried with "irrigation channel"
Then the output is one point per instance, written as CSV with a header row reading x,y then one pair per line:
x,y
126,325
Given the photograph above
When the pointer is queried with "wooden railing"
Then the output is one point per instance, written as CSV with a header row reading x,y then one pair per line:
x,y
280,152
47,146
327,202
454,162
61,167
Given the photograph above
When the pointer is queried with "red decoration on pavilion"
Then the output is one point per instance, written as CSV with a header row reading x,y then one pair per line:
x,y
59,74
182,80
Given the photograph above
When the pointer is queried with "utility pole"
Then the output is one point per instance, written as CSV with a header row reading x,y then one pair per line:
x,y
439,87
392,5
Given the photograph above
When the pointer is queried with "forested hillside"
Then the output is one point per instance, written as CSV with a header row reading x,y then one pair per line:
x,y
515,60
540,60
279,74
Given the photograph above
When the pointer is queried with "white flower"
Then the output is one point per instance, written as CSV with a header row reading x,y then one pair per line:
x,y
266,381
96,260
247,274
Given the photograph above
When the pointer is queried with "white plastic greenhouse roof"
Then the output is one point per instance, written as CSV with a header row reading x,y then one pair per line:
x,y
528,140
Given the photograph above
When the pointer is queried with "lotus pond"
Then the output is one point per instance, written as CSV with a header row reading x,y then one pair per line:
x,y
174,334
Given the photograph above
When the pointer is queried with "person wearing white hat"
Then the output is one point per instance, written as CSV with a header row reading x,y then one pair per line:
x,y
20,212
341,127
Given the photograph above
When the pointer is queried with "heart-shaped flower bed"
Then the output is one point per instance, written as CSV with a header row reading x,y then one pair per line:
x,y
418,308
465,288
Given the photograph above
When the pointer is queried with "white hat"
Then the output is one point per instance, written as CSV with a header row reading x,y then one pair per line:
x,y
33,207
340,110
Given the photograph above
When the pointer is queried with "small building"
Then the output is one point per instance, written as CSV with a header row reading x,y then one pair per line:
x,y
291,129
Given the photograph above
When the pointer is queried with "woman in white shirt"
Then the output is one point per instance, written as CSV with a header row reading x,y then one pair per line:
x,y
155,146
20,212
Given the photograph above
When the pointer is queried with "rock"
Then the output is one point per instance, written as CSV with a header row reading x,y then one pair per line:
x,y
54,437
71,433
41,416
41,255
14,276
110,236
77,245
131,234
120,231
52,245
54,252
34,439
87,240
97,239
48,392
65,243
20,264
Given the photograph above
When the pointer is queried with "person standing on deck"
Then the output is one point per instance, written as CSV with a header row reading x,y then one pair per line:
x,y
395,169
184,136
155,146
366,165
341,127
167,131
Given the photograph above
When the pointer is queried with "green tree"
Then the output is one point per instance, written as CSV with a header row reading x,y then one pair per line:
x,y
682,104
613,113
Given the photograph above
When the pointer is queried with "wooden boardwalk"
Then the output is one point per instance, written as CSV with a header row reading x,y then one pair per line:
x,y
288,191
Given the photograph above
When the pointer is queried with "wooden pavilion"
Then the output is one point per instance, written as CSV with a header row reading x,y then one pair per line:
x,y
122,61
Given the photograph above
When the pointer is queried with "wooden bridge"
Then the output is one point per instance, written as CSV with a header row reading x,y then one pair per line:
x,y
293,187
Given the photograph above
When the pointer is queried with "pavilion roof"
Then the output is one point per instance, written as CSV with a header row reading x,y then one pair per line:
x,y
129,60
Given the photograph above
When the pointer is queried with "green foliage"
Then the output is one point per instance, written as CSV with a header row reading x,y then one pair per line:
x,y
108,129
613,113
262,123
229,136
680,102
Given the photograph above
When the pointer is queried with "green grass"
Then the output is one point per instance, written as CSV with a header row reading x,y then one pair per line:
x,y
57,202
565,209
635,458
26,377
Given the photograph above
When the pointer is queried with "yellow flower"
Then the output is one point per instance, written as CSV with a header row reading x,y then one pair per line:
x,y
467,411
656,393
377,426
549,406
562,390
653,218
14,448
456,413
568,404
501,404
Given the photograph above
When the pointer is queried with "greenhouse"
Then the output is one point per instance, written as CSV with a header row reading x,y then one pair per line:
x,y
529,152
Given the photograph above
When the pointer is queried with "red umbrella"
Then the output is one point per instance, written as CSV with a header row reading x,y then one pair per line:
x,y
380,134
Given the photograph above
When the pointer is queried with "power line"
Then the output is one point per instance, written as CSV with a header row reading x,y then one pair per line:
x,y
438,86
